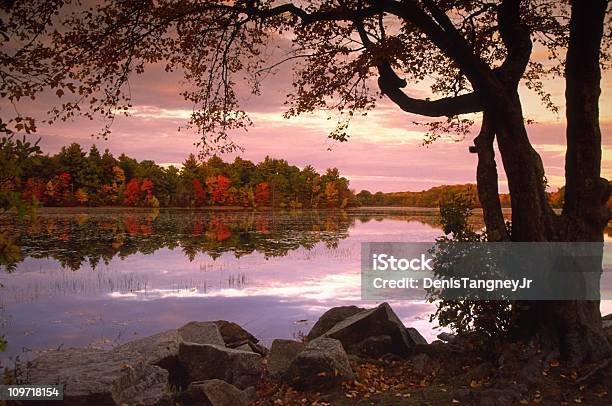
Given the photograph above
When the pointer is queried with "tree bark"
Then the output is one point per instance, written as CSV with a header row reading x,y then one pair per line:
x,y
573,327
487,182
585,212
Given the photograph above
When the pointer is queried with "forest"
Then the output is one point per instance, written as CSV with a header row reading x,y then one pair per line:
x,y
74,177
436,195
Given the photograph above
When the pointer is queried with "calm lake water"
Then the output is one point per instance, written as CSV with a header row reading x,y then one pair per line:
x,y
101,277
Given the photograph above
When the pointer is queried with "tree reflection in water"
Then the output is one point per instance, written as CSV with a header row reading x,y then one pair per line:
x,y
76,237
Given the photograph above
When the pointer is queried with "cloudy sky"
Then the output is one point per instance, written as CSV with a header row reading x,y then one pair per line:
x,y
384,153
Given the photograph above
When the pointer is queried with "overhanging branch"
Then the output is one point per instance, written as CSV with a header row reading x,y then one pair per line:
x,y
391,85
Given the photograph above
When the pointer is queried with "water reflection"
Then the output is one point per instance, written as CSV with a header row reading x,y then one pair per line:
x,y
90,238
101,277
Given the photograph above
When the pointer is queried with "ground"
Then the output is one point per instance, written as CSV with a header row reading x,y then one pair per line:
x,y
462,373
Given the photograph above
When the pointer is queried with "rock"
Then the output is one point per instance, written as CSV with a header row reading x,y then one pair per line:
x,y
160,349
379,321
259,349
374,346
233,335
201,332
244,347
416,336
98,377
446,337
330,318
206,361
420,363
607,317
214,392
322,364
252,347
282,353
606,324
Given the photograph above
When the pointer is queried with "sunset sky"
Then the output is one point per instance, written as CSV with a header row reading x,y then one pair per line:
x,y
384,152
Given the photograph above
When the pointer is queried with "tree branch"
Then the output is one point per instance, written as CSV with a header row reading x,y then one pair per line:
x,y
391,84
517,40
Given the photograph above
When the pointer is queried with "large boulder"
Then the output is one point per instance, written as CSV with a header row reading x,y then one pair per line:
x,y
377,322
214,392
233,335
282,353
416,336
322,364
205,361
160,349
201,332
97,377
330,318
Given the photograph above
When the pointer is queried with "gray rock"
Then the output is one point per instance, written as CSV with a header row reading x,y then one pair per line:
x,y
98,377
415,335
322,364
253,347
205,361
282,353
233,335
446,337
378,321
201,332
259,349
244,347
214,392
160,349
330,318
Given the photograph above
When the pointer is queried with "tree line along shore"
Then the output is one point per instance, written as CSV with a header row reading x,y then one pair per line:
x,y
75,177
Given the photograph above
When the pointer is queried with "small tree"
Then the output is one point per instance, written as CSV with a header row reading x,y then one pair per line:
x,y
491,318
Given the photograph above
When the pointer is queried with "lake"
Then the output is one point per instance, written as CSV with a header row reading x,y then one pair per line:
x,y
101,277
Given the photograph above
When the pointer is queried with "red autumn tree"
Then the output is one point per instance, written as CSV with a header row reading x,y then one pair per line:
x,y
132,193
218,187
199,193
146,187
262,193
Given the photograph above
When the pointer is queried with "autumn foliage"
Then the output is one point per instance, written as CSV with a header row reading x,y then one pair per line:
x,y
74,177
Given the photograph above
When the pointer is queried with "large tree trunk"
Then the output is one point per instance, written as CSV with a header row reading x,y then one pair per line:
x,y
585,214
573,327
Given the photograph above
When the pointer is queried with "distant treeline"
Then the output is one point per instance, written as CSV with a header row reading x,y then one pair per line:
x,y
74,177
439,194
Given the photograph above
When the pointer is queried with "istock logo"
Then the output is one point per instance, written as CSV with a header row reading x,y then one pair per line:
x,y
384,262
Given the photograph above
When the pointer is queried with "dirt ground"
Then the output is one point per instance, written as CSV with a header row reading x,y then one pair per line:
x,y
460,374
